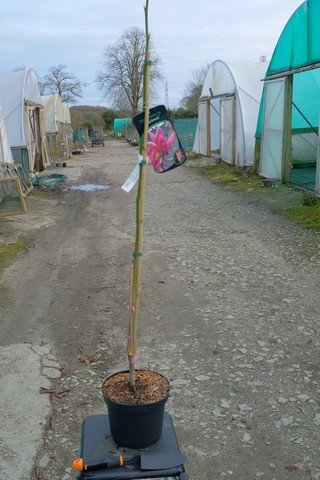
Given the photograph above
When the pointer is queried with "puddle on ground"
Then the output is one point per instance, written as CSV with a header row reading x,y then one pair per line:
x,y
89,187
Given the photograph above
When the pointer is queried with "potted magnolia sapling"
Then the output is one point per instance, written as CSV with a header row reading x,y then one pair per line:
x,y
136,398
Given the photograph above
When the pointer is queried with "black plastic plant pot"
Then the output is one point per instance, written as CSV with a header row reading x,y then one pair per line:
x,y
135,425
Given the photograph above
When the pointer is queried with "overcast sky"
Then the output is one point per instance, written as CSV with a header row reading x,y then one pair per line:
x,y
187,34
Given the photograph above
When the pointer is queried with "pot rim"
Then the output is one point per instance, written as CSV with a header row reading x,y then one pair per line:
x,y
163,399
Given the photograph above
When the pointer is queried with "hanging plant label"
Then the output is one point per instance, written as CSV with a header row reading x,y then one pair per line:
x,y
133,178
165,151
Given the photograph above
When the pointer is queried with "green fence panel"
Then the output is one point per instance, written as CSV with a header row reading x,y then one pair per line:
x,y
79,136
121,125
186,131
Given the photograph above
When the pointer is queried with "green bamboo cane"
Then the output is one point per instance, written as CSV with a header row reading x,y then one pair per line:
x,y
140,202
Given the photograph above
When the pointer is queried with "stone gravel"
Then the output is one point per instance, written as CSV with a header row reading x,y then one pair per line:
x,y
229,314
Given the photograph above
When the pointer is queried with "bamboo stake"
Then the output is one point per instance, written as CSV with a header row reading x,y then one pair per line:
x,y
140,204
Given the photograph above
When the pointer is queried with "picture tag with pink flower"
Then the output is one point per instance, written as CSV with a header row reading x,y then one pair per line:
x,y
165,151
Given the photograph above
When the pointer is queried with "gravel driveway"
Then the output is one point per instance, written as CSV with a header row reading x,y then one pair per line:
x,y
229,313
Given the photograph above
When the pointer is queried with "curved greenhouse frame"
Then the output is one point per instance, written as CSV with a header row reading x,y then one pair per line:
x,y
287,146
228,111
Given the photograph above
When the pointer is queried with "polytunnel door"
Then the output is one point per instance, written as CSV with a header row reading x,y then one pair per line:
x,y
227,129
215,125
202,128
305,120
34,138
272,134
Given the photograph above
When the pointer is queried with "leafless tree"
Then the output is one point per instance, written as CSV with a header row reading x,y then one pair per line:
x,y
121,77
60,81
193,87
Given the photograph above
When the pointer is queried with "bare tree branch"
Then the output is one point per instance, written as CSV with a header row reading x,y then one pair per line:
x,y
193,87
60,81
121,76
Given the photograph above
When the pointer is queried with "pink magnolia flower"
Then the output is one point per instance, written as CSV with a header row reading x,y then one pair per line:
x,y
162,143
158,147
154,158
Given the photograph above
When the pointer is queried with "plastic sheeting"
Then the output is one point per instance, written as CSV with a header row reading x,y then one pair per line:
x,y
271,156
15,88
5,151
55,112
296,56
237,122
299,42
299,46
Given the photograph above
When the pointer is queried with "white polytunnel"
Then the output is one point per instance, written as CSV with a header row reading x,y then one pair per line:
x,y
22,111
57,120
5,151
228,111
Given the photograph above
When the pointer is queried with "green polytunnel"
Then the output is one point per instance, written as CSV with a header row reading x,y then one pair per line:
x,y
287,146
121,125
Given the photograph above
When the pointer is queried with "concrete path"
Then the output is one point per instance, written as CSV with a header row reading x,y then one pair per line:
x,y
26,370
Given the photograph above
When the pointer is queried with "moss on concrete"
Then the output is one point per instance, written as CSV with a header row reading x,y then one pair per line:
x,y
8,252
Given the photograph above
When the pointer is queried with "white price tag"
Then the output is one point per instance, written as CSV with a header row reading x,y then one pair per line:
x,y
132,180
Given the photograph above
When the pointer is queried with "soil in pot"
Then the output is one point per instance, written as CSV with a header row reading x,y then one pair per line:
x,y
150,387
136,418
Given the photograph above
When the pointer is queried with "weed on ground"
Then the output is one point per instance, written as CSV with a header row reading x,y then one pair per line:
x,y
291,202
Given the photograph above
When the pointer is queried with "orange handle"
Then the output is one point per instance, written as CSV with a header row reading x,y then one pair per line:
x,y
108,462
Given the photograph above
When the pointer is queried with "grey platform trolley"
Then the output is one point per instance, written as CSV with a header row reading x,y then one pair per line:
x,y
99,455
